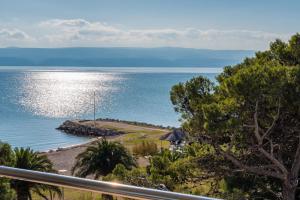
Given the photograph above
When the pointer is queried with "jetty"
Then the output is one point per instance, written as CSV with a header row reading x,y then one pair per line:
x,y
88,128
107,127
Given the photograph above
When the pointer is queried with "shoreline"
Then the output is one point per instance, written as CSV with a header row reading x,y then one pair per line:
x,y
71,146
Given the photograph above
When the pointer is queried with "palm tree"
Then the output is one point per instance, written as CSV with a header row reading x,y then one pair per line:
x,y
100,159
31,160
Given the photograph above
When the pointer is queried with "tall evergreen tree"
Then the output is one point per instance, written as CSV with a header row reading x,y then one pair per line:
x,y
251,118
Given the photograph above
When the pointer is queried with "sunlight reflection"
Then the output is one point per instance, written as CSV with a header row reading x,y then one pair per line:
x,y
64,94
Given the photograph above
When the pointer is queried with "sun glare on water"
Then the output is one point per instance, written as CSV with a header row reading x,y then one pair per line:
x,y
65,94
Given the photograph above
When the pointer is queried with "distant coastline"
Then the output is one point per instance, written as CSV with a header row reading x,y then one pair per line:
x,y
121,57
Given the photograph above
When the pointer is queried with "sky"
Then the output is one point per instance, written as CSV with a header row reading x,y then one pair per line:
x,y
204,24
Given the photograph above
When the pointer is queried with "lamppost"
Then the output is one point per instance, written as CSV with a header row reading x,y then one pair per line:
x,y
94,109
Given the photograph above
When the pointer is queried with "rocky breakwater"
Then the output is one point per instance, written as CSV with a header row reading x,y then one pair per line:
x,y
78,128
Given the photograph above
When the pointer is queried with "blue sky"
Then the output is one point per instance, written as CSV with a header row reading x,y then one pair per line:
x,y
214,24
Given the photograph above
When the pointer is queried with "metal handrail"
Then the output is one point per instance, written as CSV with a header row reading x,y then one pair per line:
x,y
95,186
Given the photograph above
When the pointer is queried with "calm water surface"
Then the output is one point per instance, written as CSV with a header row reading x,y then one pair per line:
x,y
34,101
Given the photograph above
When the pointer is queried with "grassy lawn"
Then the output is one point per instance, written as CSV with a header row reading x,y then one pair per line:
x,y
72,194
136,136
134,133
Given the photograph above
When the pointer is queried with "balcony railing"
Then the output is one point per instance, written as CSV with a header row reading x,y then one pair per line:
x,y
95,186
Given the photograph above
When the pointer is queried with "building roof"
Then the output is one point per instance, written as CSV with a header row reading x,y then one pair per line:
x,y
175,135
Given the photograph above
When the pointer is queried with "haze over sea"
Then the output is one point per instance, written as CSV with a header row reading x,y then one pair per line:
x,y
36,100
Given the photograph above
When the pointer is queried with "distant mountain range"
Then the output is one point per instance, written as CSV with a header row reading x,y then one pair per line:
x,y
121,57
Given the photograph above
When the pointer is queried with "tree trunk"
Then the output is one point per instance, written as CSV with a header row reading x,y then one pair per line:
x,y
288,192
22,195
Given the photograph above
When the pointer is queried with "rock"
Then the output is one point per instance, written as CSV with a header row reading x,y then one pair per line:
x,y
74,127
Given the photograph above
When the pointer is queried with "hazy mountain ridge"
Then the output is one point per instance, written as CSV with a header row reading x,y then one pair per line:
x,y
121,57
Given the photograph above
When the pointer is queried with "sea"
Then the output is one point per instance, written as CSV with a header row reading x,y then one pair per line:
x,y
36,100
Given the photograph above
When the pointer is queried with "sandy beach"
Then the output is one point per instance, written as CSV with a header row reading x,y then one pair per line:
x,y
64,158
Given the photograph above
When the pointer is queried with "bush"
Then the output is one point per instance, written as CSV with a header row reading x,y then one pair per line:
x,y
6,158
6,154
6,192
145,148
135,176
